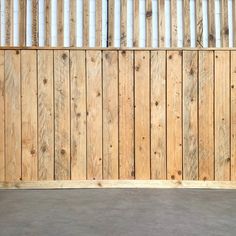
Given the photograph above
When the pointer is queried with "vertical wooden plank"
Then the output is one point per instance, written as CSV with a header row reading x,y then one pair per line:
x,y
111,23
123,23
142,115
62,114
22,22
2,117
224,24
136,23
60,23
233,115
98,23
158,115
211,23
110,115
94,115
35,23
9,22
72,23
126,115
161,14
173,16
86,23
222,116
45,115
29,115
174,115
47,22
206,116
12,115
78,115
186,12
199,23
190,115
148,23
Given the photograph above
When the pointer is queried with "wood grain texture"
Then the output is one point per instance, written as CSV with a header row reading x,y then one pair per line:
x,y
29,115
47,26
98,23
94,115
148,23
22,22
126,115
111,13
110,115
9,22
62,114
206,116
45,115
78,114
190,115
161,14
136,24
186,17
224,24
60,23
173,14
72,23
85,23
211,23
174,115
142,115
35,23
123,23
158,115
199,23
12,115
222,116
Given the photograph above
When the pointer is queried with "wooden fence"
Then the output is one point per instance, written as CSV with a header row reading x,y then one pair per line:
x,y
113,114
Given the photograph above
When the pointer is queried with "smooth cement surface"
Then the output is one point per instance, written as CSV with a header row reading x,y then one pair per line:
x,y
109,212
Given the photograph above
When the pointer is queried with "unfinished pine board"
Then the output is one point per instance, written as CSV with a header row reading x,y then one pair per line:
x,y
2,117
123,23
47,26
45,115
111,13
186,20
233,115
206,115
136,24
190,115
222,116
199,23
126,115
98,23
35,22
224,24
60,23
94,115
9,22
142,115
62,114
12,116
29,114
85,23
22,22
78,114
161,22
110,115
173,14
72,23
148,23
158,115
174,115
211,23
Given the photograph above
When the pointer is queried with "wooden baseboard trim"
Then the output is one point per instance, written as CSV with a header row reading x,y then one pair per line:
x,y
86,184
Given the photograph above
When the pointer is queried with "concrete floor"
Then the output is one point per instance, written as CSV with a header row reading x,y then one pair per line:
x,y
109,212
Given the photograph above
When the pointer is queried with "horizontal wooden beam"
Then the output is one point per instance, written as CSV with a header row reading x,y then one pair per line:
x,y
86,184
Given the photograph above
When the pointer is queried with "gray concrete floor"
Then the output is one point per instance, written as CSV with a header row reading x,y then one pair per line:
x,y
109,212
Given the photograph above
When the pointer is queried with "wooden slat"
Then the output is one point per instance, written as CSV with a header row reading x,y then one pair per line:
x,y
123,23
35,26
174,38
22,22
148,23
111,14
222,116
72,23
161,14
158,115
86,23
186,12
142,115
29,115
98,23
136,24
233,115
190,115
211,23
12,115
94,115
126,115
174,115
9,22
2,117
78,115
60,23
206,116
110,115
47,22
224,24
199,24
45,115
62,114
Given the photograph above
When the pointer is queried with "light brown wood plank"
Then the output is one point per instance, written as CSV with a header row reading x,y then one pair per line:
x,y
211,23
35,26
222,116
9,22
136,24
126,115
45,115
190,115
22,22
186,18
199,23
206,115
110,115
47,22
78,114
72,23
142,115
148,23
60,23
224,24
94,115
62,114
86,23
29,115
174,115
173,16
123,23
158,115
111,6
12,115
161,15
98,23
